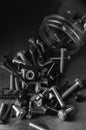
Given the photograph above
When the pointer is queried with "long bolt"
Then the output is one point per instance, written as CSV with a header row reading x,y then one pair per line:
x,y
33,125
23,75
12,82
62,60
17,86
58,96
59,58
77,84
2,108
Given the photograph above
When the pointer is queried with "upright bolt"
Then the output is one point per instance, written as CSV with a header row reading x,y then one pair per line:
x,y
17,85
11,82
62,59
29,115
23,75
77,84
37,87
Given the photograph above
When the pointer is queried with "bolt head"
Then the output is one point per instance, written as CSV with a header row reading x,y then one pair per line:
x,y
62,115
78,81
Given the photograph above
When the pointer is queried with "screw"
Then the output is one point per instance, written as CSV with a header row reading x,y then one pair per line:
x,y
33,125
77,84
62,60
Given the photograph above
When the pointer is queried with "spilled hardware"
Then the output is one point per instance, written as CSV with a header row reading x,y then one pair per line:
x,y
36,74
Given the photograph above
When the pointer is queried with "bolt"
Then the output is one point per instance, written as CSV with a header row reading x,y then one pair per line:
x,y
29,115
20,113
7,113
2,108
59,58
11,82
21,55
37,87
33,125
17,85
77,84
16,60
62,60
63,114
23,75
60,100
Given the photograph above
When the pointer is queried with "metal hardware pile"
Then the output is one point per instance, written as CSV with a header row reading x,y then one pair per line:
x,y
36,75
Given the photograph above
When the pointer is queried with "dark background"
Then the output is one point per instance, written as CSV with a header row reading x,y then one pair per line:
x,y
19,20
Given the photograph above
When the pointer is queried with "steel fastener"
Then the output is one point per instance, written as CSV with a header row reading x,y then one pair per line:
x,y
59,98
33,125
77,84
63,114
62,59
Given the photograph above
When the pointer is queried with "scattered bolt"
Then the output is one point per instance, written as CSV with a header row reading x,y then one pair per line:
x,y
33,125
60,100
20,113
62,59
78,84
63,114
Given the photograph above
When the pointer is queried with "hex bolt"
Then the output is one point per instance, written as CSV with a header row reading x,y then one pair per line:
x,y
20,113
63,114
60,100
78,84
33,125
62,59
